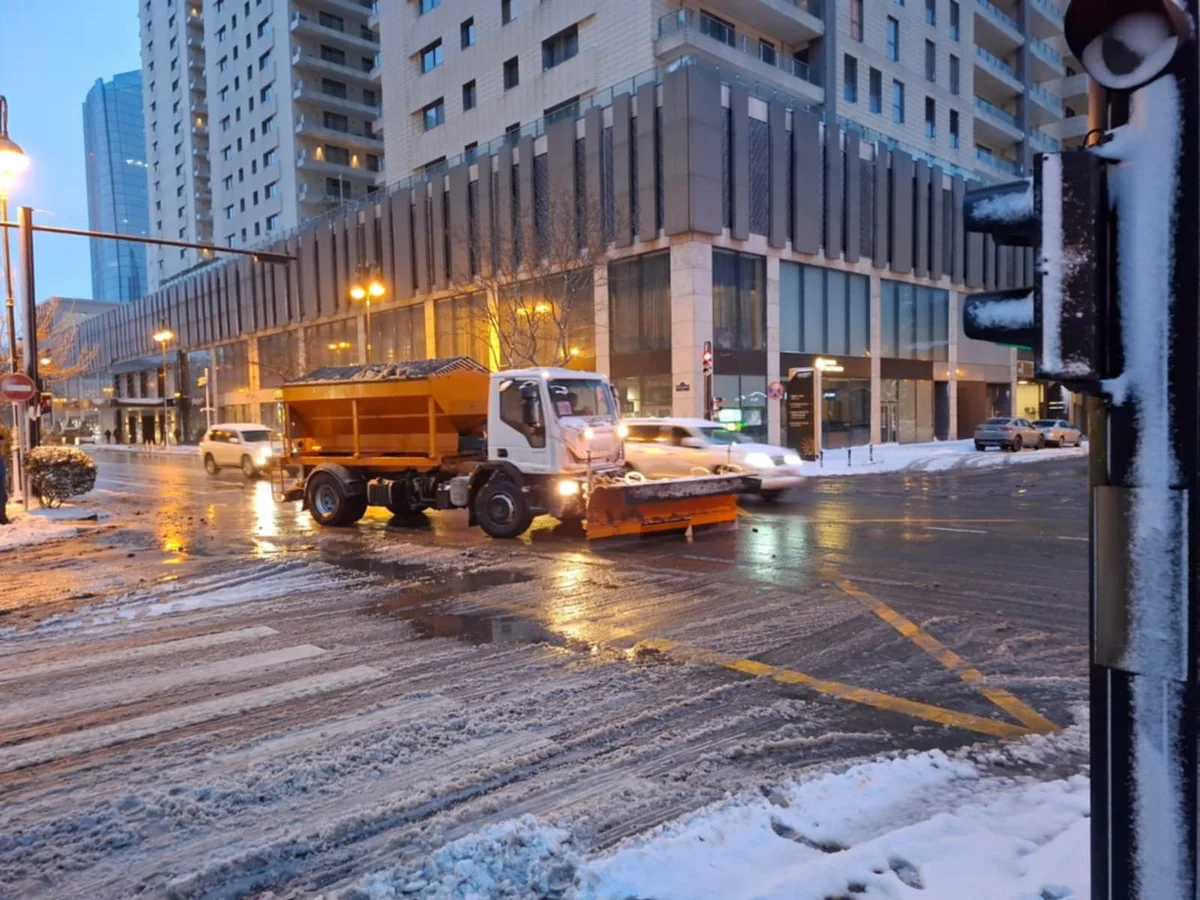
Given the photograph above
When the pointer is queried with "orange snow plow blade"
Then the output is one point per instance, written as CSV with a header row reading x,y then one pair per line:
x,y
670,505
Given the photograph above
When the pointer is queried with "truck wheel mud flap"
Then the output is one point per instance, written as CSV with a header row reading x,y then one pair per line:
x,y
655,506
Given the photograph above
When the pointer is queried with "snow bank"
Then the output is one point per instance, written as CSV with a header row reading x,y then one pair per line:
x,y
936,456
26,530
926,826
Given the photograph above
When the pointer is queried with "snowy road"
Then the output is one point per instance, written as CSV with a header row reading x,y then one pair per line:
x,y
214,699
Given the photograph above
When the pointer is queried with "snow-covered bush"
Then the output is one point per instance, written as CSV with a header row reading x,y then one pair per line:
x,y
56,473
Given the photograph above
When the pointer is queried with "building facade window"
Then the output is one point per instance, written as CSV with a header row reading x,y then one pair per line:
x,y
893,39
639,298
931,12
717,28
856,20
431,56
850,79
876,90
434,114
512,73
955,33
466,33
823,311
558,48
930,61
462,328
739,301
429,5
914,321
954,88
930,117
468,95
953,130
508,11
898,102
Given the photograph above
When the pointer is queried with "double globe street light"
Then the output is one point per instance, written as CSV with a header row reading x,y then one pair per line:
x,y
368,286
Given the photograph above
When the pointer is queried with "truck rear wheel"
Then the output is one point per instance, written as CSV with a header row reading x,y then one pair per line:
x,y
502,510
328,503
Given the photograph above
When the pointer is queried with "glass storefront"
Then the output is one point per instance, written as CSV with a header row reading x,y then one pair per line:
x,y
639,304
906,411
914,321
331,344
645,395
742,402
845,412
398,335
823,311
739,301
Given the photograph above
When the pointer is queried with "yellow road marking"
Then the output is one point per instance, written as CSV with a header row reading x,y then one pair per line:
x,y
1026,715
876,699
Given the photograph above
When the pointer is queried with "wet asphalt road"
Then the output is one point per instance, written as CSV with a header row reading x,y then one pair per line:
x,y
617,684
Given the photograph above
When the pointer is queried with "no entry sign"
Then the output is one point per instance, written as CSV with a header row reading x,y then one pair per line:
x,y
16,387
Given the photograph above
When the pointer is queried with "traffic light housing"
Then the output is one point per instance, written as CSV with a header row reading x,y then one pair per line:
x,y
1062,211
706,358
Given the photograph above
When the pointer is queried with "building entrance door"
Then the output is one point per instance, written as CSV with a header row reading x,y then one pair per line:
x,y
889,422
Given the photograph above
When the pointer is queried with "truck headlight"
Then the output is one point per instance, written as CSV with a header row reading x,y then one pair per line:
x,y
759,461
622,431
568,488
792,459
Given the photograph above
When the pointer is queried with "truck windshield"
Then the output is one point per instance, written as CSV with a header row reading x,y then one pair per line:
x,y
577,397
724,436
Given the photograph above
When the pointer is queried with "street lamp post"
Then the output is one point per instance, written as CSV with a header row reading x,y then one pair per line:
x,y
368,286
13,162
164,336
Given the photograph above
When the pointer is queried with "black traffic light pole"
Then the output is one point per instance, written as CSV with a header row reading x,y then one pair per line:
x,y
1115,313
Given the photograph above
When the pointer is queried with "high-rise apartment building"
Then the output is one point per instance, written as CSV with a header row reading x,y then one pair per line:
x,y
114,143
977,84
274,123
176,116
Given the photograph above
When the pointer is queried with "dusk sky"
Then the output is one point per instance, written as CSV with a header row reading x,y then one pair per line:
x,y
51,52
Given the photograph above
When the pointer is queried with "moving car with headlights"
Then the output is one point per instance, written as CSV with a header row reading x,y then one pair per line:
x,y
1008,434
506,446
239,445
661,448
1059,432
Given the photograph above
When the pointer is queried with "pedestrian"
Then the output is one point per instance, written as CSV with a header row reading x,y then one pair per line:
x,y
3,481
108,435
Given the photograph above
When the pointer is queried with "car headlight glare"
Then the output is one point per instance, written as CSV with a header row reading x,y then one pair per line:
x,y
792,459
759,461
568,488
622,431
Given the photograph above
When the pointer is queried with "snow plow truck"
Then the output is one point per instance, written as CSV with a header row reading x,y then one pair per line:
x,y
507,446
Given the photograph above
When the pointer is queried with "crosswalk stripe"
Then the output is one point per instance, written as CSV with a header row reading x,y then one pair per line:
x,y
14,671
123,692
35,752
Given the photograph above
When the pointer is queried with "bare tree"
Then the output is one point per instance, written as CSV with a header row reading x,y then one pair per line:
x,y
57,341
535,285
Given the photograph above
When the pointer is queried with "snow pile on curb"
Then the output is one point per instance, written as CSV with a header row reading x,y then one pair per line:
x,y
936,456
39,526
927,826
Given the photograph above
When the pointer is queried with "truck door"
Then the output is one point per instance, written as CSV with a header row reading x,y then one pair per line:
x,y
520,434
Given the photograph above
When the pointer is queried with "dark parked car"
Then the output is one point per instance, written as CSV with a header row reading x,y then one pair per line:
x,y
1008,434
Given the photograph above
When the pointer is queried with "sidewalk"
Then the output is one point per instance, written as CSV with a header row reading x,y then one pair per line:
x,y
154,450
39,526
935,456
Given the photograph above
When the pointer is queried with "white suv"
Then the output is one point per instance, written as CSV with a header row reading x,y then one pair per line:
x,y
662,448
239,446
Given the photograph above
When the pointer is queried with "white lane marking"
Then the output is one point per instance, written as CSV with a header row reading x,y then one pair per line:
x,y
1063,537
959,530
48,707
33,753
14,672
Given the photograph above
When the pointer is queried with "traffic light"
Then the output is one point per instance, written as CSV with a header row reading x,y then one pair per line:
x,y
1062,211
706,358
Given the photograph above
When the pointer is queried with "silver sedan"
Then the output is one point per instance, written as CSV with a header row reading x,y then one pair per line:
x,y
1008,434
1059,432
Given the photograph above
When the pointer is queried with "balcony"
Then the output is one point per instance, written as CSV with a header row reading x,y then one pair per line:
x,y
996,29
196,85
195,62
319,196
1039,140
199,107
200,128
995,126
994,78
309,162
373,19
1073,90
195,43
996,162
360,10
309,126
1069,130
685,31
307,60
1046,18
195,18
795,22
303,26
1044,107
310,93
1044,61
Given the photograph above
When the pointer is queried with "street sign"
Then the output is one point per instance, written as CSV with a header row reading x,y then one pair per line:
x,y
17,388
775,390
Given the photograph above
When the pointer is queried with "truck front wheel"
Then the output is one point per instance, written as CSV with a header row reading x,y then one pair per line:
x,y
502,510
328,503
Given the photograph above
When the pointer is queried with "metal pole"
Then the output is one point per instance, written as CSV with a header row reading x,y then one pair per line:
x,y
368,329
29,317
166,425
10,305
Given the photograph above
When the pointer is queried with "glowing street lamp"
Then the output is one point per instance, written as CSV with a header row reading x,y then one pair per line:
x,y
368,286
164,336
